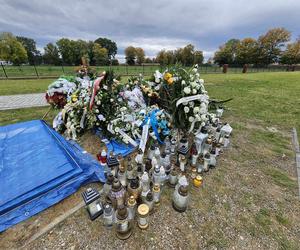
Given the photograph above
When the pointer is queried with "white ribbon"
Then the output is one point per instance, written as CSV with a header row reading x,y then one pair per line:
x,y
200,97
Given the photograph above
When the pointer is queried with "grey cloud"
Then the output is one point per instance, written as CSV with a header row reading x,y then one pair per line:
x,y
151,24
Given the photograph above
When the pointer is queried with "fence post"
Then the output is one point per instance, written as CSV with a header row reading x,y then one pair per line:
x,y
4,71
37,74
62,67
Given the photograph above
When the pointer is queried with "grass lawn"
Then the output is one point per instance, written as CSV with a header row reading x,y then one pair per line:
x,y
249,201
13,87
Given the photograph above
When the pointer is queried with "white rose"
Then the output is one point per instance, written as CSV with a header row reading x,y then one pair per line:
x,y
183,82
191,119
185,103
98,102
203,117
117,129
195,70
191,104
187,90
201,81
197,86
193,84
194,91
186,109
196,110
203,124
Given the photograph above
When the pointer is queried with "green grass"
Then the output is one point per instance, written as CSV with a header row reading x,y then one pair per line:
x,y
271,99
280,178
20,115
13,87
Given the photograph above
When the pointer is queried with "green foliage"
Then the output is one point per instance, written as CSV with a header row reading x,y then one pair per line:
x,y
11,49
187,56
270,45
100,55
51,55
108,44
292,53
130,54
227,52
140,55
33,54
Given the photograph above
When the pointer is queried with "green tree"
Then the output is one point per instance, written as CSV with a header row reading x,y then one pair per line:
x,y
11,49
198,57
130,55
187,55
271,44
51,54
227,52
110,45
66,50
292,53
247,51
80,49
30,46
100,55
140,55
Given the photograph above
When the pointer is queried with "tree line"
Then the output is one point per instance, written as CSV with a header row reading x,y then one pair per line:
x,y
272,47
18,50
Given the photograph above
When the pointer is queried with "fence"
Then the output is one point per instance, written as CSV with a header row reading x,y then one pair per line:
x,y
47,71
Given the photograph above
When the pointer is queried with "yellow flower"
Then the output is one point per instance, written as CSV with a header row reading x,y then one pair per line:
x,y
74,98
167,76
170,81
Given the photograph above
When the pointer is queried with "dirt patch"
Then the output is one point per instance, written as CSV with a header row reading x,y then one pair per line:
x,y
242,204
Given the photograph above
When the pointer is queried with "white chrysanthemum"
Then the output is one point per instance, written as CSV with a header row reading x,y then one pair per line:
x,y
198,86
183,82
193,84
197,75
123,109
98,102
201,81
191,119
117,129
196,110
203,117
185,103
194,91
197,118
186,109
203,124
191,104
195,70
187,90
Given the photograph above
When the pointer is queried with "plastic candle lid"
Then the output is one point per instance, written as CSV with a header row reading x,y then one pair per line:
x,y
143,209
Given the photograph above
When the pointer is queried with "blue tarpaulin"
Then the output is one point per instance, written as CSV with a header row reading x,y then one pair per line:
x,y
38,168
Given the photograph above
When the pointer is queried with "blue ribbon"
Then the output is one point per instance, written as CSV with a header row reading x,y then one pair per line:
x,y
153,123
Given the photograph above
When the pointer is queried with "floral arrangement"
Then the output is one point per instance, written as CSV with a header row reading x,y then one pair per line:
x,y
174,99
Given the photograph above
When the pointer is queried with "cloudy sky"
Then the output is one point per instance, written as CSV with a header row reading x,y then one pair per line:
x,y
150,24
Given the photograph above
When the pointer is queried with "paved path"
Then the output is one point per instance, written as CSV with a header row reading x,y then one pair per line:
x,y
22,101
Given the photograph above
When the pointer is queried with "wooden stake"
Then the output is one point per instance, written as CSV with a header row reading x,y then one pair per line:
x,y
297,151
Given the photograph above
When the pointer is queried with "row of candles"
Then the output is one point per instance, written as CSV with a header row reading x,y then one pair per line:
x,y
133,187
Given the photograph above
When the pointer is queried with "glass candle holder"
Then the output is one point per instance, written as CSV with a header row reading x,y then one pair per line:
x,y
182,163
150,154
156,175
149,201
173,146
180,199
206,162
131,205
156,194
130,172
117,194
122,176
200,165
123,225
143,216
172,178
207,146
108,216
213,160
197,181
226,141
134,188
107,185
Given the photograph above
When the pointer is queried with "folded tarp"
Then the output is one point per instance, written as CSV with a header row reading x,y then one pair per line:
x,y
38,168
